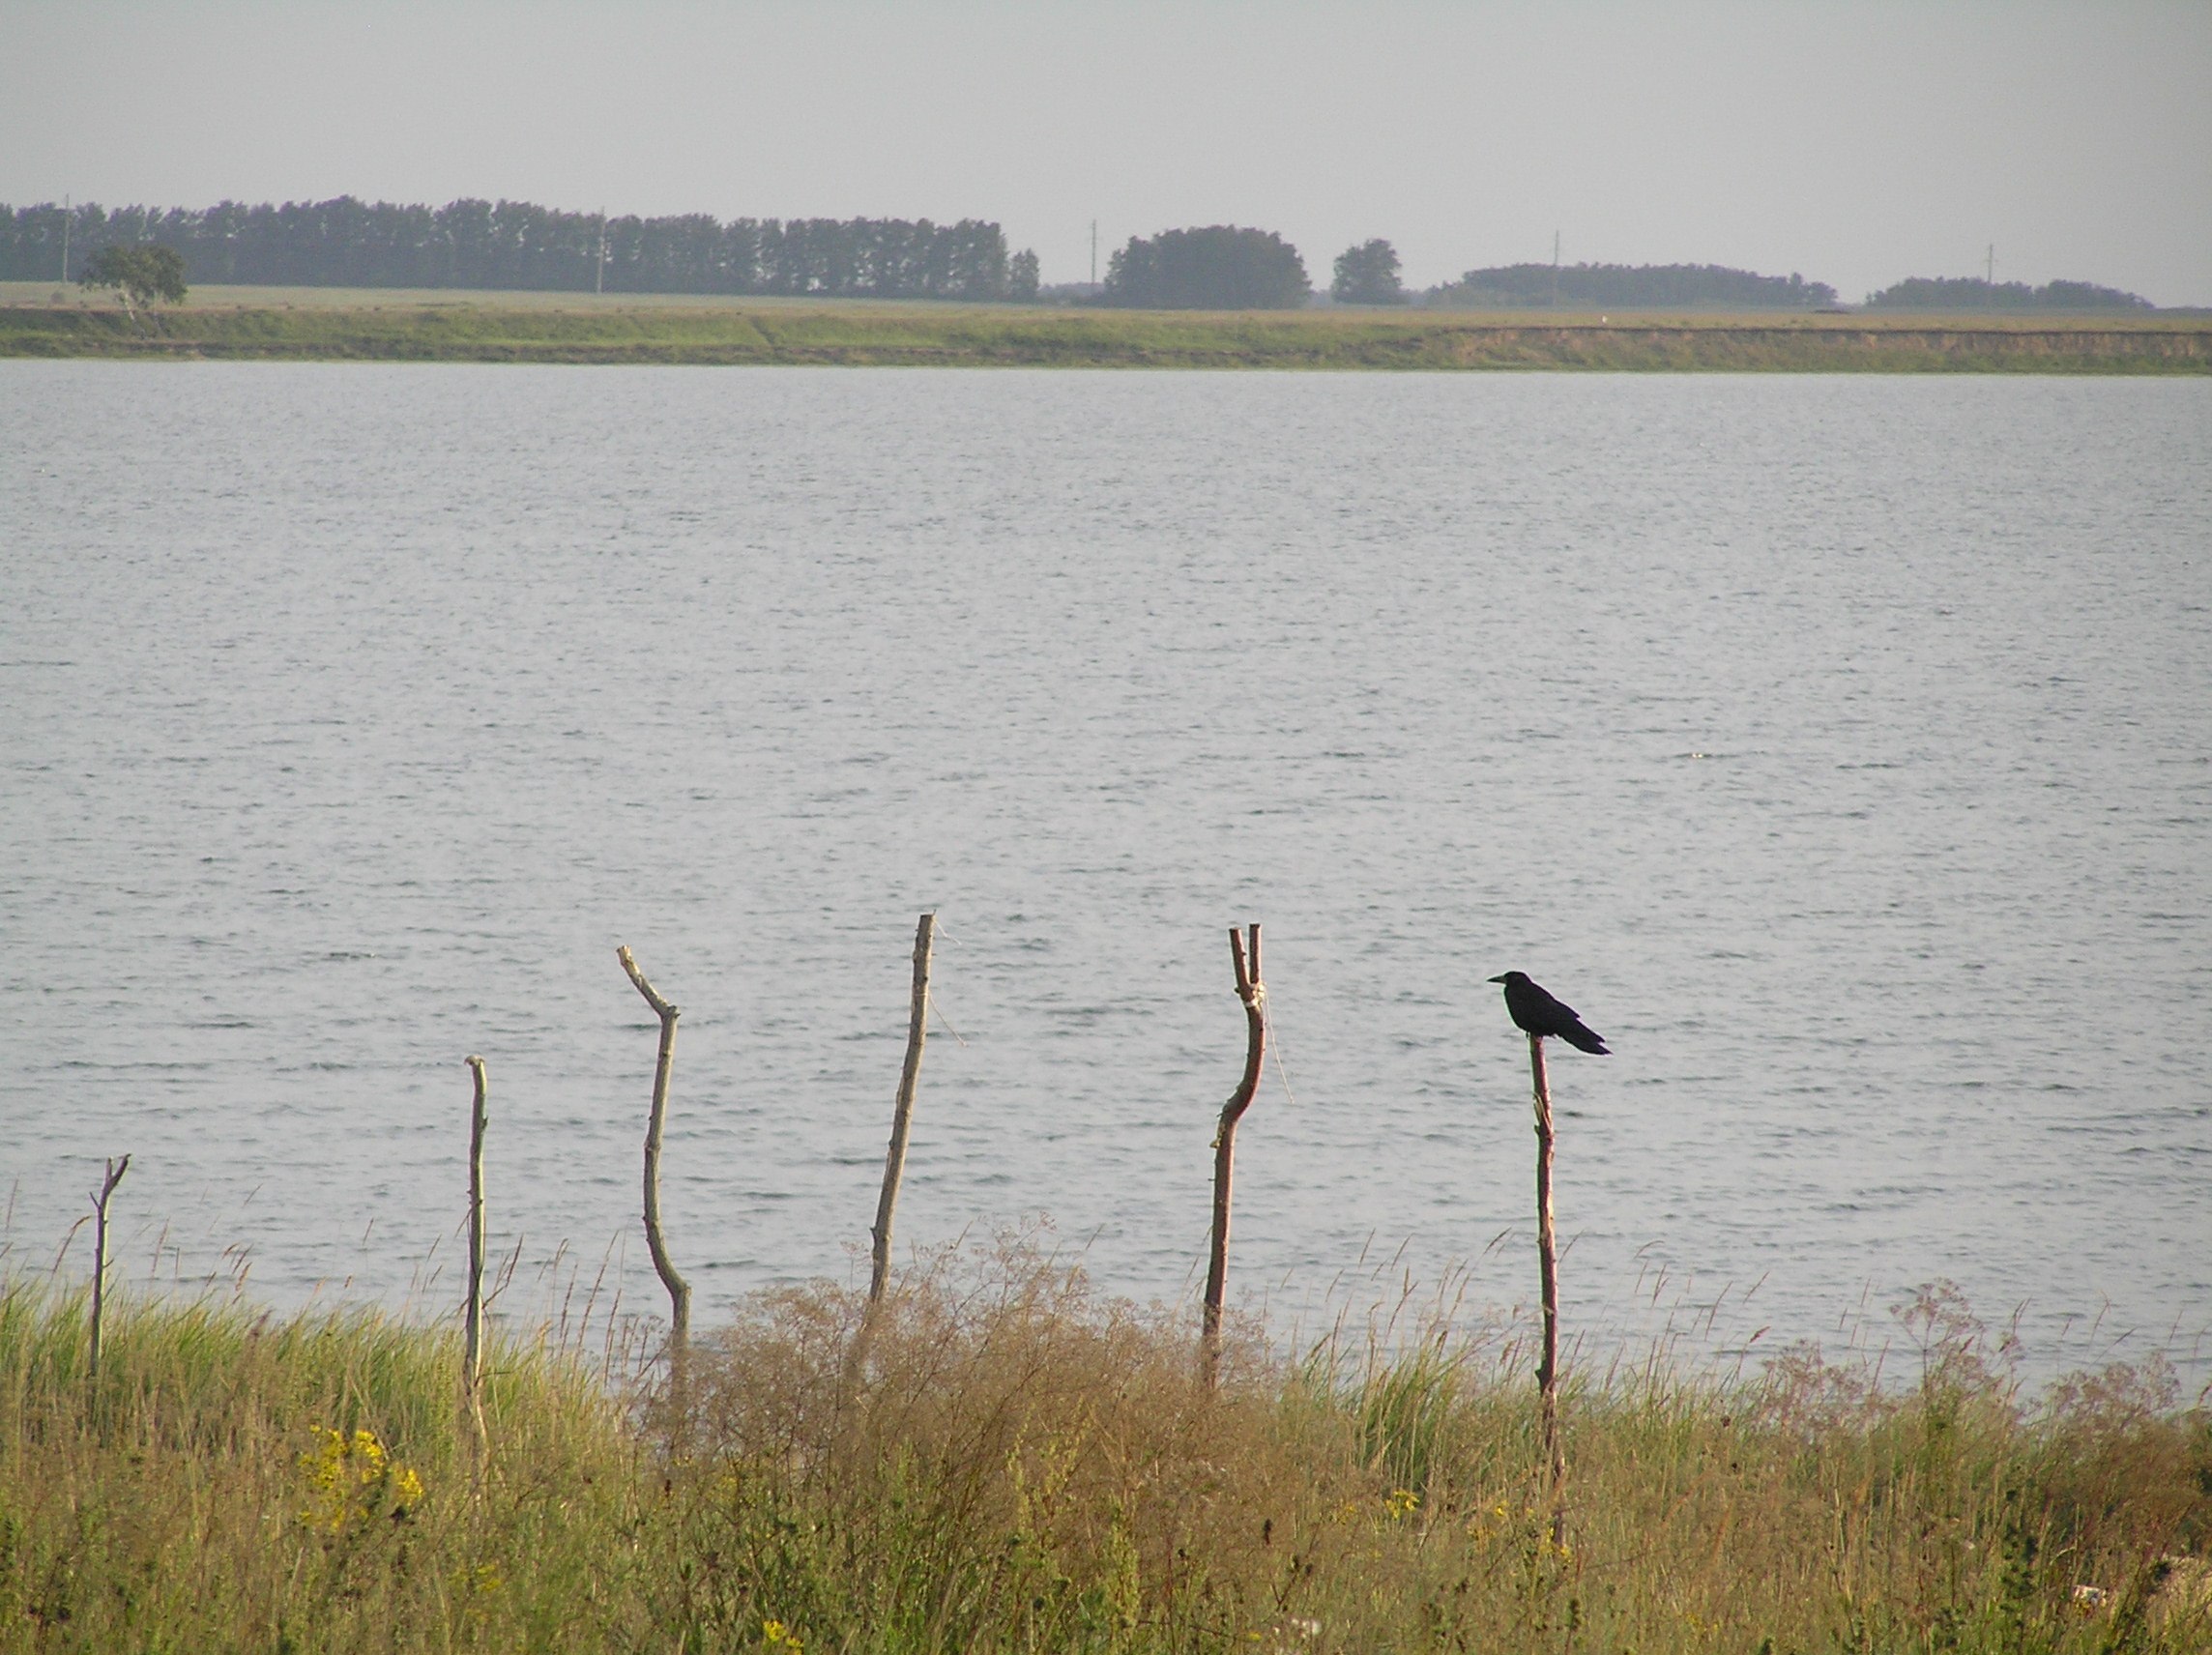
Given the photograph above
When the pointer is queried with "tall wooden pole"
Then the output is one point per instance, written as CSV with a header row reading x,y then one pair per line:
x,y
115,1172
472,1358
1548,1263
678,1290
1253,992
902,1111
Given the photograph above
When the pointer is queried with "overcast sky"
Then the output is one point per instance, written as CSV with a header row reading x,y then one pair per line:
x,y
1856,143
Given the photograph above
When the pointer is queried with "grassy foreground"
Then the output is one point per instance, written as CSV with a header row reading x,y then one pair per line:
x,y
313,325
1023,1466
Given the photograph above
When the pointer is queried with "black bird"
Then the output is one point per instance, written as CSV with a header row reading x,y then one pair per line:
x,y
1536,1011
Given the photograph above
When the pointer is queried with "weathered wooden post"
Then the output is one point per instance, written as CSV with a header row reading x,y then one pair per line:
x,y
1253,992
678,1290
472,1356
115,1171
902,1111
894,1164
1548,1268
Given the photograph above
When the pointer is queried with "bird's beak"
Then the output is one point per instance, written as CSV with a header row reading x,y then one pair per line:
x,y
1497,979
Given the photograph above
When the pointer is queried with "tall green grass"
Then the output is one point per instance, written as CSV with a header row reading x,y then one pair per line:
x,y
1022,1464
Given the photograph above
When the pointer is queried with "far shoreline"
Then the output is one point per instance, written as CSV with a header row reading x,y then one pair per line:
x,y
468,326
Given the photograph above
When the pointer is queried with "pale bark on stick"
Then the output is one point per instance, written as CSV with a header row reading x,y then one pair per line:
x,y
902,1111
472,1358
115,1172
678,1290
1548,1266
1253,992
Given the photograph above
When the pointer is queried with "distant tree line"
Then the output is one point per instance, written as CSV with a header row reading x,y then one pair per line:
x,y
348,243
476,244
1631,287
1972,293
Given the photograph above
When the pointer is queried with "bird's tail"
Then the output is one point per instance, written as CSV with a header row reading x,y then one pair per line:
x,y
1585,1040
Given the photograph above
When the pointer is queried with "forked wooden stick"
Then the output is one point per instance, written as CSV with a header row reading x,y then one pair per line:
x,y
115,1172
1253,992
678,1290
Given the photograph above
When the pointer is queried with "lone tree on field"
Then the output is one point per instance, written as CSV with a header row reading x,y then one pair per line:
x,y
145,275
1368,275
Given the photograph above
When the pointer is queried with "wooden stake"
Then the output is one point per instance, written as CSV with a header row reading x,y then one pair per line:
x,y
115,1172
678,1290
1548,1265
1254,994
902,1112
471,1359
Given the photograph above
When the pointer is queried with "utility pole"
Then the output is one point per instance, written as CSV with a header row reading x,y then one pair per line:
x,y
1094,253
1554,269
1989,272
65,240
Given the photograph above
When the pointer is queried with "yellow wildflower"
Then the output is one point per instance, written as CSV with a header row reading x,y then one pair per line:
x,y
351,1479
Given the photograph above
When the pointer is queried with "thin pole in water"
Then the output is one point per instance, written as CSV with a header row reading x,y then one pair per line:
x,y
471,1357
115,1172
1253,992
678,1290
1548,1265
902,1111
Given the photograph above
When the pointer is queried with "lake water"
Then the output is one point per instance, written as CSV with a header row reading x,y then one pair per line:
x,y
1841,748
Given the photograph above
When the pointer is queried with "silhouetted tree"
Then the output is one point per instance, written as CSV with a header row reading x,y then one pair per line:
x,y
143,275
1648,286
1022,277
1218,268
1368,275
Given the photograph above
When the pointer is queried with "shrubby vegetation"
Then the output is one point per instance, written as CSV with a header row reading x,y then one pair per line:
x,y
1972,293
1217,267
518,245
1023,1465
1648,286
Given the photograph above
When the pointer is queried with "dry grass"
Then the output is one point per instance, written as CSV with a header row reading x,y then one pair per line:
x,y
1020,1465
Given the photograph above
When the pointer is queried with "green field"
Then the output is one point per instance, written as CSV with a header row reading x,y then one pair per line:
x,y
1018,1466
356,325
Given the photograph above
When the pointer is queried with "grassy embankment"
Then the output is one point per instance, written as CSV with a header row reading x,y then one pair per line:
x,y
264,323
1023,1467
